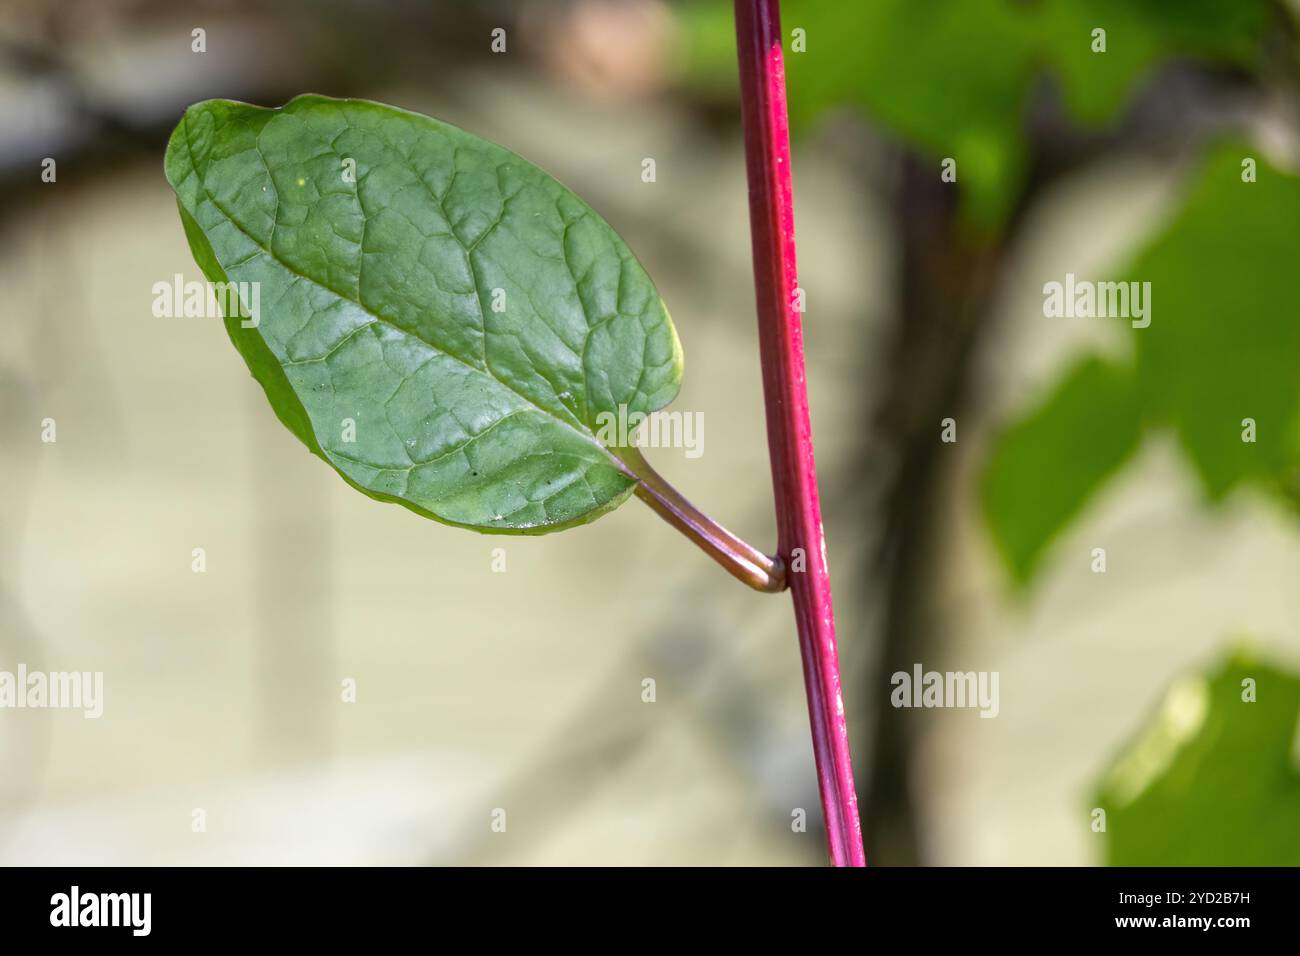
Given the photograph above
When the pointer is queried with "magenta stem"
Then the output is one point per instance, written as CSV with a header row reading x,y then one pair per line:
x,y
789,430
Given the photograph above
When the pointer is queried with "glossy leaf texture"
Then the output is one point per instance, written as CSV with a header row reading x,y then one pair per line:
x,y
439,319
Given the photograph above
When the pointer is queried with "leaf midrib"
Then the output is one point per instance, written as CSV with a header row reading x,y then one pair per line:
x,y
375,317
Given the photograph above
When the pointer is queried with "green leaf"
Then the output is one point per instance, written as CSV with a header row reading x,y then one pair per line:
x,y
1141,34
1048,465
471,316
1223,341
1213,779
1218,352
950,77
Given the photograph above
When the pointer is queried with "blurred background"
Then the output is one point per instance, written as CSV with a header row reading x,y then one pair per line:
x,y
1075,504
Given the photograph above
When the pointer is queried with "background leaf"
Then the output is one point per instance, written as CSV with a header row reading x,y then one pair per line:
x,y
953,77
1213,780
1048,465
471,315
1220,349
1224,342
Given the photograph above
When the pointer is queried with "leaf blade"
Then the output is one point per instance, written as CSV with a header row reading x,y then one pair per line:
x,y
382,295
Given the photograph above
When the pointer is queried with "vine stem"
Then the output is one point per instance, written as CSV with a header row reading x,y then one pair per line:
x,y
789,429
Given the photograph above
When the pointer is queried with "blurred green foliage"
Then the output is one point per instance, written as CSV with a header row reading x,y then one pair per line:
x,y
1075,440
1212,779
953,77
1221,348
1226,340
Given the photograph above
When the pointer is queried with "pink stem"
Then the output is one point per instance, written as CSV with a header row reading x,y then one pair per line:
x,y
789,431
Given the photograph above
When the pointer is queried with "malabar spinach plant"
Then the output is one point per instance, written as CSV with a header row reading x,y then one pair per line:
x,y
451,329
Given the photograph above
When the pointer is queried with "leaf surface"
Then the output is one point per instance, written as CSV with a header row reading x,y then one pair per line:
x,y
469,315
